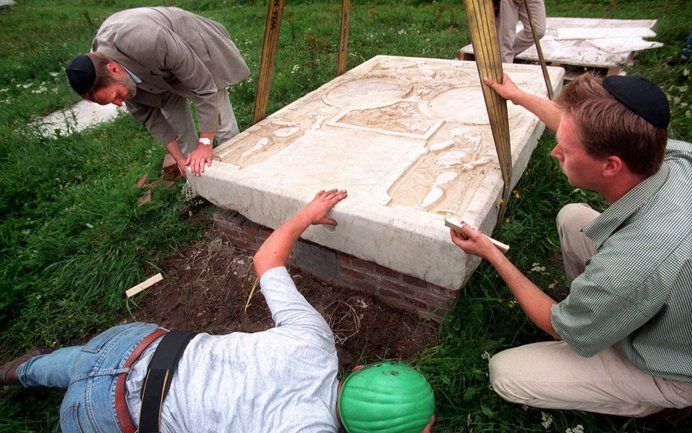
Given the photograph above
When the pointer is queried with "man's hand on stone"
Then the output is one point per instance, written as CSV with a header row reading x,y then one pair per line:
x,y
199,157
316,211
507,89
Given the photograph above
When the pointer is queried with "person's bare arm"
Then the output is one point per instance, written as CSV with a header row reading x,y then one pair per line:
x,y
174,149
275,250
535,303
546,110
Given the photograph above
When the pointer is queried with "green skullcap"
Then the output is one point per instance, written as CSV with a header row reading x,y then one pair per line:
x,y
387,397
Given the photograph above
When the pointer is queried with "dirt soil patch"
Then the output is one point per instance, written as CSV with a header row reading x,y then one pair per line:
x,y
207,287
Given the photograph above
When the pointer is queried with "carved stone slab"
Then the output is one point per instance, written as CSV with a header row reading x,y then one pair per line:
x,y
592,42
407,137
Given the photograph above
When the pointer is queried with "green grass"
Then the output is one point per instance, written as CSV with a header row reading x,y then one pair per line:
x,y
72,237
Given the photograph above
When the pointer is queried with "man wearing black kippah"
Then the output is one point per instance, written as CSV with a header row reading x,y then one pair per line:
x,y
623,332
155,60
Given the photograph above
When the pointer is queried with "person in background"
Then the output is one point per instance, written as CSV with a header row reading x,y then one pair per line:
x,y
511,12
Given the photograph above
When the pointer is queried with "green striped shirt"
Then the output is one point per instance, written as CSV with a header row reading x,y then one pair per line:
x,y
635,293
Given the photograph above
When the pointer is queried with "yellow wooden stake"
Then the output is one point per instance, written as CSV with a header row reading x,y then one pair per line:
x,y
272,28
342,55
486,48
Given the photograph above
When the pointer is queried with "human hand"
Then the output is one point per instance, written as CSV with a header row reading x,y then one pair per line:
x,y
428,428
316,211
507,89
200,157
472,241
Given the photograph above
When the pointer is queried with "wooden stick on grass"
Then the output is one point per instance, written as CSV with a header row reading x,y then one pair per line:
x,y
272,28
143,285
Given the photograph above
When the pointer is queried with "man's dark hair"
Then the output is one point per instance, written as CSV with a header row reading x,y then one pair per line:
x,y
607,127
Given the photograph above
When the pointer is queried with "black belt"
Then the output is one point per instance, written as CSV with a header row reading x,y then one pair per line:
x,y
159,376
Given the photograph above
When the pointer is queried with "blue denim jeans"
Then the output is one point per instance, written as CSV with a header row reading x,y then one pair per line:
x,y
89,374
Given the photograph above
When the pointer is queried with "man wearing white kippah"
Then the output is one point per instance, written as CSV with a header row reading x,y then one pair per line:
x,y
623,334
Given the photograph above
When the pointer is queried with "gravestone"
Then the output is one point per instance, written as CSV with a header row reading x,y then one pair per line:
x,y
409,139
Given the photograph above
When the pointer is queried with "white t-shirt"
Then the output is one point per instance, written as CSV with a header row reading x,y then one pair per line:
x,y
280,380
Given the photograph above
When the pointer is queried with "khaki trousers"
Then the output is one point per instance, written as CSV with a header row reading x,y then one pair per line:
x,y
551,375
511,11
177,112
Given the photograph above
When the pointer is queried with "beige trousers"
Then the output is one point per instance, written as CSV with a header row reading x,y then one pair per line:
x,y
551,375
511,11
177,112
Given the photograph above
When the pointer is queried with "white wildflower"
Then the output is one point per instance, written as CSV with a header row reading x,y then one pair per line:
x,y
546,420
295,68
54,74
402,32
536,267
485,355
578,429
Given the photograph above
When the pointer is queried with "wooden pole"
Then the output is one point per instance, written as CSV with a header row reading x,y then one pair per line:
x,y
272,28
486,48
342,55
539,50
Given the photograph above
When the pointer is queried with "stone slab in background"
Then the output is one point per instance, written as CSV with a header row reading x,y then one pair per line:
x,y
598,43
77,118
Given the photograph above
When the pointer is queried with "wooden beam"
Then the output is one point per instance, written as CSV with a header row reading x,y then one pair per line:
x,y
143,285
342,55
272,28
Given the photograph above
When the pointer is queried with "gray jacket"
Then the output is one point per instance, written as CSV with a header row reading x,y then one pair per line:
x,y
173,52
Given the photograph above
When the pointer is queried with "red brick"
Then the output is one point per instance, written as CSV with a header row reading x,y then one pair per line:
x,y
390,294
244,245
343,257
417,302
414,281
362,264
389,273
251,228
405,288
354,273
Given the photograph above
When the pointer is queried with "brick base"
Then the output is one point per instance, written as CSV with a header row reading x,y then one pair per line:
x,y
393,288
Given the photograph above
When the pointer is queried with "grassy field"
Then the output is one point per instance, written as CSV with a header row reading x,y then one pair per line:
x,y
72,237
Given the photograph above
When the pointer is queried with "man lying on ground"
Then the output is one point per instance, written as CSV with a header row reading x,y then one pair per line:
x,y
280,380
624,331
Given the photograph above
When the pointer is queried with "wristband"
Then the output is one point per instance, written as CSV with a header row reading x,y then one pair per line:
x,y
204,140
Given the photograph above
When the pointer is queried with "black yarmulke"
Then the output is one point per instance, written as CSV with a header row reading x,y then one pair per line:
x,y
641,96
81,74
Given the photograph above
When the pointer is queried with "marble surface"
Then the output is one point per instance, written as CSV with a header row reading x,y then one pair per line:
x,y
592,42
76,118
407,137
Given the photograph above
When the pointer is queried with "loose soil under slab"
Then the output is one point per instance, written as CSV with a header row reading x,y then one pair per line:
x,y
207,287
